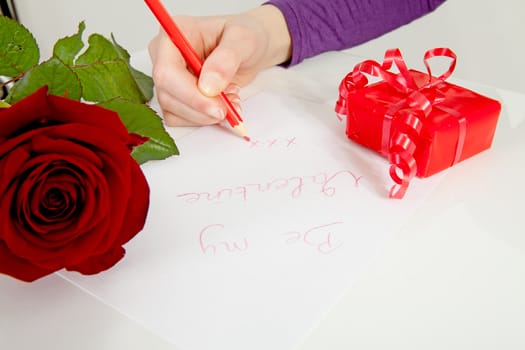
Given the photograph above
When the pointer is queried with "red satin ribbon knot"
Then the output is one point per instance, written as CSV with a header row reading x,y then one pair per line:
x,y
409,112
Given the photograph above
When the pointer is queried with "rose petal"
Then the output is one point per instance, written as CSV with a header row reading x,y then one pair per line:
x,y
39,108
15,237
10,166
23,113
33,196
133,223
51,141
138,205
66,110
48,253
99,263
119,184
56,200
19,268
89,180
74,195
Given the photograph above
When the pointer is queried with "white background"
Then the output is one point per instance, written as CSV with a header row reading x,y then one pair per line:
x,y
453,279
486,35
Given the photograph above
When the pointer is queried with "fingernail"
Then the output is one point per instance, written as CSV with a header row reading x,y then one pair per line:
x,y
210,84
232,89
216,113
234,98
237,105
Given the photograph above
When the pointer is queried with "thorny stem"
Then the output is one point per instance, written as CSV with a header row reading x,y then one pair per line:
x,y
12,80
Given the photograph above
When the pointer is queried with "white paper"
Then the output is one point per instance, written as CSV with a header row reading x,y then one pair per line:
x,y
249,244
456,284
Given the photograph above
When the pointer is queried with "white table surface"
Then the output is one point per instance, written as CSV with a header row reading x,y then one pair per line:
x,y
452,279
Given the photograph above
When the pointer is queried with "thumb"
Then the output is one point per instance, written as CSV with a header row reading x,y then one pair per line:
x,y
220,67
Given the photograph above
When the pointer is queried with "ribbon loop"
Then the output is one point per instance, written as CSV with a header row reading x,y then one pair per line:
x,y
440,52
410,112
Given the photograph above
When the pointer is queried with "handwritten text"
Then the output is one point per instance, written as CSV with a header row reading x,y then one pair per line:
x,y
322,183
212,240
319,237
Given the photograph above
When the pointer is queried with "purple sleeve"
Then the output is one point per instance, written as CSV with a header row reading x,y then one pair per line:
x,y
317,26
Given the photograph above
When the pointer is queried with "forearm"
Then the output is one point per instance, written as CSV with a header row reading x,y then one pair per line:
x,y
274,24
317,26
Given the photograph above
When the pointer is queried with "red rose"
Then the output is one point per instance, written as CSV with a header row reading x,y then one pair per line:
x,y
70,193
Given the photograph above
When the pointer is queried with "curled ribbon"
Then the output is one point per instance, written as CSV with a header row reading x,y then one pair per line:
x,y
410,111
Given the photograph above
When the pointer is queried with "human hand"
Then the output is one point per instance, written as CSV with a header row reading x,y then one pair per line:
x,y
234,49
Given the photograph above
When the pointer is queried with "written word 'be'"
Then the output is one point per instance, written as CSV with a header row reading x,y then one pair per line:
x,y
319,237
212,240
285,142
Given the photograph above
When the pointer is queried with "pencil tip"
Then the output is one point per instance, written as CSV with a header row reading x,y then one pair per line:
x,y
239,129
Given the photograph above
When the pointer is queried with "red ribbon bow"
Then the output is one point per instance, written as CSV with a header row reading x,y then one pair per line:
x,y
410,111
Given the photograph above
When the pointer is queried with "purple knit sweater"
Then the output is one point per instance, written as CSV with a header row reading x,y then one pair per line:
x,y
317,26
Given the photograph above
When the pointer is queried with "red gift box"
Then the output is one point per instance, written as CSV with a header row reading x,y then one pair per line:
x,y
421,123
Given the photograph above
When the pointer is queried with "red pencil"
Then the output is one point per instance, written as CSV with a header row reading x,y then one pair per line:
x,y
193,60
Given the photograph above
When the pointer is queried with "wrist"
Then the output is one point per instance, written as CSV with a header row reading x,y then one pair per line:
x,y
279,40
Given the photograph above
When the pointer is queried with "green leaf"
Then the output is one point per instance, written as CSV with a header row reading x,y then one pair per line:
x,y
66,49
104,81
4,104
144,81
105,74
59,78
142,120
100,49
18,48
